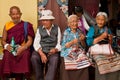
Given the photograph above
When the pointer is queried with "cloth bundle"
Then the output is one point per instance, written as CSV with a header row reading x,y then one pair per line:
x,y
107,63
78,60
101,49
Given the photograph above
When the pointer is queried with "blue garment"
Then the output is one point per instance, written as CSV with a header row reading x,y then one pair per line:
x,y
67,37
91,34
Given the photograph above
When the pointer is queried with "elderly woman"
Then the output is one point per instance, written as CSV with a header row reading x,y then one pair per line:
x,y
100,34
72,38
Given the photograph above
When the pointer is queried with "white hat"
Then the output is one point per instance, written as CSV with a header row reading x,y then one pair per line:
x,y
46,14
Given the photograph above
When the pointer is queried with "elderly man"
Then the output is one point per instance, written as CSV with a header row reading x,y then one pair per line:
x,y
47,47
16,64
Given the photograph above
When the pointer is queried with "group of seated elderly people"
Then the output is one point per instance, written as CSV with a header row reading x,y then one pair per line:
x,y
51,50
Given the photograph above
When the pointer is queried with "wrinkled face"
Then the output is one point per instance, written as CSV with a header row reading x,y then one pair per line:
x,y
101,21
73,23
15,15
47,23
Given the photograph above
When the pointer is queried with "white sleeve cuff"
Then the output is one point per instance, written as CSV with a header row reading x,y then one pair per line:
x,y
5,46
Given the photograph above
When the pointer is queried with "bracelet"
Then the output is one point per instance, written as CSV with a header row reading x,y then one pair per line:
x,y
5,46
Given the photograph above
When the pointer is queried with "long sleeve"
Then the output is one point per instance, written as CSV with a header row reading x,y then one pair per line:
x,y
37,39
91,20
64,51
85,23
67,37
90,36
58,46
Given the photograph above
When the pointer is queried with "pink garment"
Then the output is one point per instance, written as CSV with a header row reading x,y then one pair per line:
x,y
81,26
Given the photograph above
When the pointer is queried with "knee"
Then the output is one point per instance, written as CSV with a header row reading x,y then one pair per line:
x,y
54,59
35,57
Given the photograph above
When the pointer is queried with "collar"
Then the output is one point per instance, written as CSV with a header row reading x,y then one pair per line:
x,y
45,28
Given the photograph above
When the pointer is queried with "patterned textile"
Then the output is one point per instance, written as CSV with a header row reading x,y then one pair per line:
x,y
107,63
78,74
78,61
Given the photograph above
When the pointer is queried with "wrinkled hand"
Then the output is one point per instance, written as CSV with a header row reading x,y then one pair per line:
x,y
20,50
101,37
74,41
53,51
9,48
82,37
43,58
68,44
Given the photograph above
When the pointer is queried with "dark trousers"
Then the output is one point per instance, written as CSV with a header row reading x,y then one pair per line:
x,y
39,67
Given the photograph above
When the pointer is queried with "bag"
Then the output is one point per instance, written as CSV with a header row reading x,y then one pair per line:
x,y
78,60
25,30
105,41
26,34
107,64
101,49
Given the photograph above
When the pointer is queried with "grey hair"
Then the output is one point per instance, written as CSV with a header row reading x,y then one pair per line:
x,y
102,14
72,16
